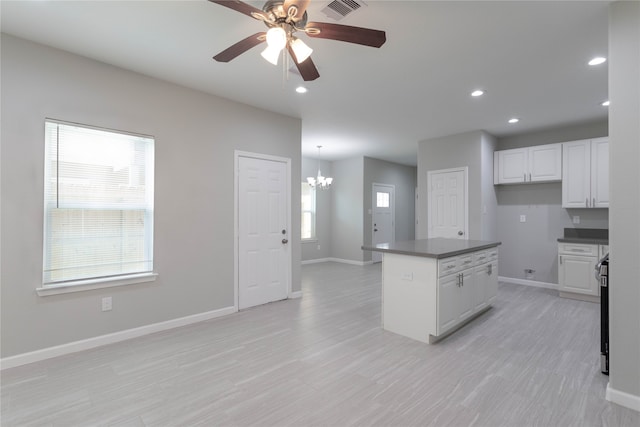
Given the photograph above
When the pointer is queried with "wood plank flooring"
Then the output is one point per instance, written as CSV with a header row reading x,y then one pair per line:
x,y
532,360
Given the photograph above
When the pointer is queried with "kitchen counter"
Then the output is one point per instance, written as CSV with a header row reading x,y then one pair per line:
x,y
433,248
432,287
586,236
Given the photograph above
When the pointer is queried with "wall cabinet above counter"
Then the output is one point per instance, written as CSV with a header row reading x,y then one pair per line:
x,y
540,163
585,174
582,166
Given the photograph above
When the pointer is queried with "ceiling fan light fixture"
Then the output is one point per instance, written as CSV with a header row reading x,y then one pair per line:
x,y
271,54
300,50
276,38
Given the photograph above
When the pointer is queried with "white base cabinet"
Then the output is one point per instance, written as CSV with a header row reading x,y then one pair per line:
x,y
426,298
576,269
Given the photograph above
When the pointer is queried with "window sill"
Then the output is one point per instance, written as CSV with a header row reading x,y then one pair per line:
x,y
92,284
309,240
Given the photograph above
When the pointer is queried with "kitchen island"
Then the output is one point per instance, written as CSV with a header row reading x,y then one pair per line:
x,y
431,287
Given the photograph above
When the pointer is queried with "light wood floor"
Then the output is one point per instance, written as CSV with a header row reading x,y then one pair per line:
x,y
533,359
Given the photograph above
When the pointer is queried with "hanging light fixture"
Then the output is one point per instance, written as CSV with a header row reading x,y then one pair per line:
x,y
276,41
320,181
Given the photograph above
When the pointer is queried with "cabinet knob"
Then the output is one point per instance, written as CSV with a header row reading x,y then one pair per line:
x,y
460,233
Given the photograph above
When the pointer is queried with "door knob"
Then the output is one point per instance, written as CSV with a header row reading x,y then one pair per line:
x,y
460,233
285,241
375,229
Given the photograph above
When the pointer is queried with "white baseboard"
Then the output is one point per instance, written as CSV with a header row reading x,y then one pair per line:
x,y
350,261
72,347
315,261
340,260
526,282
621,398
295,294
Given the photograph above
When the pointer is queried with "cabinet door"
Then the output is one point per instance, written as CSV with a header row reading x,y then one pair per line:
x,y
576,274
512,166
600,173
576,174
492,282
448,312
466,294
480,287
545,163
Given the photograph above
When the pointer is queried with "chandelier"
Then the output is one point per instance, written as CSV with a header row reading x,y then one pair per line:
x,y
320,181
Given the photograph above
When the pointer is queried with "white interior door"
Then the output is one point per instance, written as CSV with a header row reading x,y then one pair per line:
x,y
383,220
447,195
263,267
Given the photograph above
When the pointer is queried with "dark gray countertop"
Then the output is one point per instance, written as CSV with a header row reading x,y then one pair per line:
x,y
433,248
584,240
587,236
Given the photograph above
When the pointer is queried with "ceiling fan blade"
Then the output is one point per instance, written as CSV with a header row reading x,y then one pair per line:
x,y
346,33
307,68
242,7
241,47
300,5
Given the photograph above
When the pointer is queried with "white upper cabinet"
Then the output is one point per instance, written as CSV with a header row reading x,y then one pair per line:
x,y
541,163
600,173
585,173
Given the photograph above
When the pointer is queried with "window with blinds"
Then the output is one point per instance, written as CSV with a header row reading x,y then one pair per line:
x,y
98,215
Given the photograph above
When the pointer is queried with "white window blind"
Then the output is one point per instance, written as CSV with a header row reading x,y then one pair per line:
x,y
308,203
98,203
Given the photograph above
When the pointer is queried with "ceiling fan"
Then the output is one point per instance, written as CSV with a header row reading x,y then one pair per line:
x,y
284,18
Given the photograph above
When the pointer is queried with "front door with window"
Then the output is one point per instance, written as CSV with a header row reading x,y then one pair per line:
x,y
383,217
263,235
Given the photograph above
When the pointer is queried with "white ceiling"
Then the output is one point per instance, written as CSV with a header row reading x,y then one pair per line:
x,y
529,56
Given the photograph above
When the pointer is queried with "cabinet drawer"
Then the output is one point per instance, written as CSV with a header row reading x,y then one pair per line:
x,y
465,261
578,249
480,258
492,254
447,266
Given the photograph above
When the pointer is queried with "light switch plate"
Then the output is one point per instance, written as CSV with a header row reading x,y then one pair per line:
x,y
523,218
576,219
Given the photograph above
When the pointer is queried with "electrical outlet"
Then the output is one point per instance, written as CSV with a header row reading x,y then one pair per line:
x,y
107,304
407,276
318,247
523,218
576,219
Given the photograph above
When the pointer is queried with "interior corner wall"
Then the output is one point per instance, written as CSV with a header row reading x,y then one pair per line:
x,y
346,210
624,231
541,203
489,202
196,135
448,152
320,247
404,179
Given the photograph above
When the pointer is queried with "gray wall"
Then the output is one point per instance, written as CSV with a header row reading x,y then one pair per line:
x,y
624,237
196,135
469,149
403,178
533,244
310,249
346,209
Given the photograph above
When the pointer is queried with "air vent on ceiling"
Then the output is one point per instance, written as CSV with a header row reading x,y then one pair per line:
x,y
339,9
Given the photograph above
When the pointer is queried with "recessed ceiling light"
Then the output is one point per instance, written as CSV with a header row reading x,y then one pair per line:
x,y
598,60
514,120
477,92
301,89
605,103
